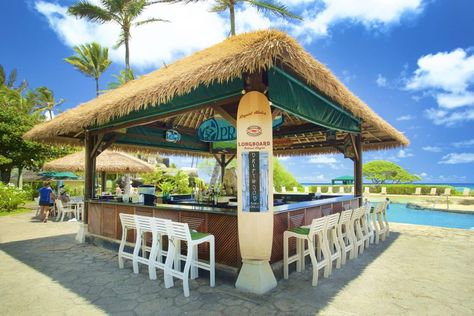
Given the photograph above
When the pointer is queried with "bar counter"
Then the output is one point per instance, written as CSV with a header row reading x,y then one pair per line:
x,y
221,222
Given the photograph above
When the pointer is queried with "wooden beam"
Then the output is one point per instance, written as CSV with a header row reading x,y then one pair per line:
x,y
230,159
108,143
225,115
295,130
98,142
356,152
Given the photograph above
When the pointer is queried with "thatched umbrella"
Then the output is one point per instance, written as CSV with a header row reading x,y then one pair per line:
x,y
108,161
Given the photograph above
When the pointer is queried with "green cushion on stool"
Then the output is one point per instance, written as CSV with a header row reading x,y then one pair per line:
x,y
300,230
198,235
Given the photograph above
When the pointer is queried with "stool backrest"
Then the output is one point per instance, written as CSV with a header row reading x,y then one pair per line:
x,y
345,216
318,225
143,222
332,220
178,230
356,214
127,220
160,225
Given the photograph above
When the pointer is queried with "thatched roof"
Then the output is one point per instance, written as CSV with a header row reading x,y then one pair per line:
x,y
246,53
108,161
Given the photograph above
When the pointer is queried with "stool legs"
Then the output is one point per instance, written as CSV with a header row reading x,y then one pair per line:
x,y
121,248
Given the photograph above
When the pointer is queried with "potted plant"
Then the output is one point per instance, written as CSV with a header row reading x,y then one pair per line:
x,y
166,188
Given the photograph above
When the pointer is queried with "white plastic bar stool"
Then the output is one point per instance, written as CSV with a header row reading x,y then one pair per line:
x,y
302,234
178,232
378,223
369,224
332,242
128,222
385,220
345,238
157,254
143,225
354,230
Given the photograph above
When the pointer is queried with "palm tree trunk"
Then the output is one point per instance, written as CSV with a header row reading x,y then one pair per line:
x,y
20,178
232,18
127,57
96,87
50,114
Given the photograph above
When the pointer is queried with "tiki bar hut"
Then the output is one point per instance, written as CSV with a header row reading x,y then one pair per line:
x,y
344,180
109,161
251,96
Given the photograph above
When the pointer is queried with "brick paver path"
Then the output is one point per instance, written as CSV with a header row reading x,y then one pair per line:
x,y
43,271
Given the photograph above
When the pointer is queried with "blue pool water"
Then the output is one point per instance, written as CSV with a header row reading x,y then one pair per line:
x,y
399,213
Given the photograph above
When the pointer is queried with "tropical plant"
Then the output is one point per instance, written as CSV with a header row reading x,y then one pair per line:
x,y
92,60
17,115
121,78
11,197
45,101
282,177
266,6
10,81
123,12
381,171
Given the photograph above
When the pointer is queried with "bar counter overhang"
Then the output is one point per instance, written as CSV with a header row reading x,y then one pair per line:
x,y
221,222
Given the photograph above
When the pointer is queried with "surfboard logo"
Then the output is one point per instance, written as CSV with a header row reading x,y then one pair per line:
x,y
254,130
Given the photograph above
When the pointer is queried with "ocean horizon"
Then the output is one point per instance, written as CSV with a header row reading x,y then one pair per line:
x,y
458,186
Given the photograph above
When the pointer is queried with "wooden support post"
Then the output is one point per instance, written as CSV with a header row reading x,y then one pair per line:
x,y
89,174
103,177
223,164
358,167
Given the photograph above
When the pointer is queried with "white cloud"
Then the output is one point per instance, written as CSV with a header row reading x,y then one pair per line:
x,y
449,118
448,71
465,143
323,159
455,100
404,154
373,14
192,28
381,81
448,77
407,117
457,158
423,174
285,158
433,149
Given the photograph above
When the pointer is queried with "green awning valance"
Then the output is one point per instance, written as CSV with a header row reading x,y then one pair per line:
x,y
200,96
289,94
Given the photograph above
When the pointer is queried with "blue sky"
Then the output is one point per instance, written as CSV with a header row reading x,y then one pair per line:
x,y
412,61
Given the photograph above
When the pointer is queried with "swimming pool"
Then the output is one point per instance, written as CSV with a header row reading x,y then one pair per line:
x,y
399,213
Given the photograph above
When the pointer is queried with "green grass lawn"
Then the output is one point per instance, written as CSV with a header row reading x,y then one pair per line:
x,y
17,211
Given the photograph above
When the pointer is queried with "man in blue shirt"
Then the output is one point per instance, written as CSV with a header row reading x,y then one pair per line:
x,y
46,200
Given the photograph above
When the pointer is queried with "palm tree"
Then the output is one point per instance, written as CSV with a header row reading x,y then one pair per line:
x,y
10,81
267,6
121,79
92,60
45,101
122,12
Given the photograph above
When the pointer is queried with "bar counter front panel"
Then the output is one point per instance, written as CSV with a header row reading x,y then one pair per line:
x,y
222,223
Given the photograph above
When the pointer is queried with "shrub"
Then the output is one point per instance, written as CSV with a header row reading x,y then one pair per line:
x,y
11,197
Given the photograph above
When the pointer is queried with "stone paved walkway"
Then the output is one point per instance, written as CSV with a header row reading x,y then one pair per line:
x,y
417,271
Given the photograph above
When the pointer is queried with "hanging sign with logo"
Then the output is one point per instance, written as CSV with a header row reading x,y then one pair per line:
x,y
255,176
173,136
217,129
